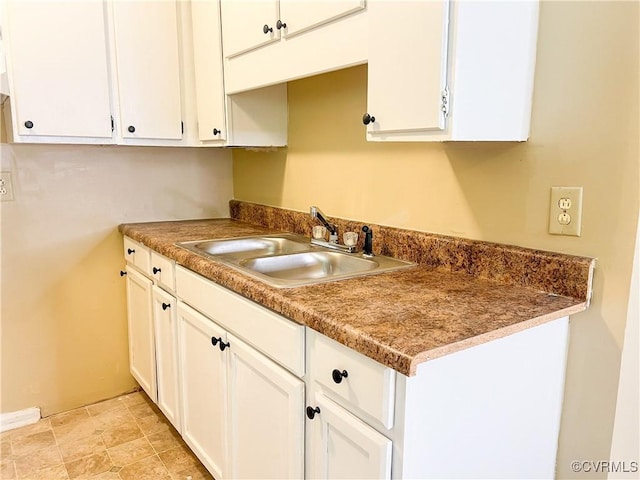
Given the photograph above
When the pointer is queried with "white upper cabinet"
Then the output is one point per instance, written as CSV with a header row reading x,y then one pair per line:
x,y
300,15
248,25
451,70
407,66
207,59
267,42
58,71
148,63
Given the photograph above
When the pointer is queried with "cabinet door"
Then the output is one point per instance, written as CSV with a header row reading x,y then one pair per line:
x,y
266,406
202,382
243,25
142,359
407,65
59,68
301,15
207,58
166,330
342,446
146,38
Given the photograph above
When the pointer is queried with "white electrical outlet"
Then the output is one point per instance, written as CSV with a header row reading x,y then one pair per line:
x,y
6,187
565,212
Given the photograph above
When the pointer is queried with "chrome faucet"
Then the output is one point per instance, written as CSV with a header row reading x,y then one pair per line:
x,y
333,229
333,234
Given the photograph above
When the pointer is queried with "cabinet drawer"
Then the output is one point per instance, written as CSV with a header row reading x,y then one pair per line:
x,y
275,336
163,270
355,381
138,255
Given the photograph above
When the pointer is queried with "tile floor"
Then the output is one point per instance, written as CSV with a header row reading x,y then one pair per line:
x,y
125,438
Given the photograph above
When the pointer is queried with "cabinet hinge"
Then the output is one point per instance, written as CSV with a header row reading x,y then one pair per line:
x,y
113,124
182,126
444,99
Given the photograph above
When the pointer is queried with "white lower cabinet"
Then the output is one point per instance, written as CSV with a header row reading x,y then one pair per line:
x,y
142,358
242,413
340,445
203,386
266,416
166,334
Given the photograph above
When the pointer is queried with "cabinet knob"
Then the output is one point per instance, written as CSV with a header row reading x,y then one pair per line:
x,y
214,341
122,273
339,375
156,270
280,25
267,29
311,412
28,124
223,345
130,251
367,119
216,131
131,129
165,306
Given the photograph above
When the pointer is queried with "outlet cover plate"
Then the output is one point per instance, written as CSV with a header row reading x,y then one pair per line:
x,y
6,187
565,211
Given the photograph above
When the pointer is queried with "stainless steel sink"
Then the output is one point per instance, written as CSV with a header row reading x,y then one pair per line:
x,y
249,246
290,260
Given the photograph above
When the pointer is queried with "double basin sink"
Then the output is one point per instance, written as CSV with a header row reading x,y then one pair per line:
x,y
290,260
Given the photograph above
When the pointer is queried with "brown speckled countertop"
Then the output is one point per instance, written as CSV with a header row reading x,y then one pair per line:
x,y
462,293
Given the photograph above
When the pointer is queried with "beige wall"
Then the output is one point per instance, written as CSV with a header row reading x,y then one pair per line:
x,y
584,132
63,315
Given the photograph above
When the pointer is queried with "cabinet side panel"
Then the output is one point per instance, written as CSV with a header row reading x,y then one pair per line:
x,y
492,411
493,74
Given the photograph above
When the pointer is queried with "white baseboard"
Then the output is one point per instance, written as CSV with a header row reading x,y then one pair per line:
x,y
21,418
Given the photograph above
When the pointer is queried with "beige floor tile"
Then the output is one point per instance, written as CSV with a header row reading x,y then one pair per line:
x,y
5,449
131,452
105,406
131,399
112,418
164,440
27,464
121,434
153,423
195,472
143,410
75,431
81,447
90,466
41,426
57,472
109,475
178,459
150,468
7,470
33,442
67,418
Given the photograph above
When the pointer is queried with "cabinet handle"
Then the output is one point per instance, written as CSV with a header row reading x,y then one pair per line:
x,y
130,251
122,273
131,129
367,119
156,270
339,375
280,25
214,341
216,131
223,345
267,29
311,412
165,306
28,124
